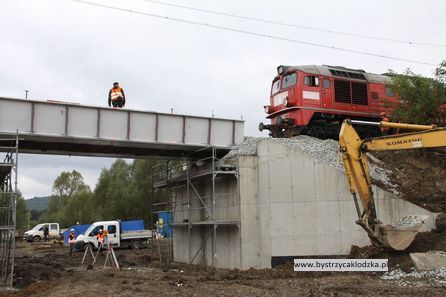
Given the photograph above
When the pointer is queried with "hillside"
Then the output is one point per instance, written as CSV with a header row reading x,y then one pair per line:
x,y
418,176
37,203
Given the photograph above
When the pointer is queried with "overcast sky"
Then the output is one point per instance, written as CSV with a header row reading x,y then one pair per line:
x,y
60,49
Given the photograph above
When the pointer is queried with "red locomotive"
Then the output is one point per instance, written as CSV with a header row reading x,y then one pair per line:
x,y
314,100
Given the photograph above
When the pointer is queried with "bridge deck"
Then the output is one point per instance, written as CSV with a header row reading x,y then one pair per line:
x,y
52,127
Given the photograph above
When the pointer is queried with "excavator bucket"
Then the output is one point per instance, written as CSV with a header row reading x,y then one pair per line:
x,y
400,235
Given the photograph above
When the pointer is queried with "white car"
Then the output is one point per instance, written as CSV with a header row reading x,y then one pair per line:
x,y
36,233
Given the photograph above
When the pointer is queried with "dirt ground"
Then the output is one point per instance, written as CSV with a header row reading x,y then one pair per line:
x,y
47,270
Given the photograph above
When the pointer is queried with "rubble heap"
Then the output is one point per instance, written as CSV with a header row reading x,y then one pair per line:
x,y
416,278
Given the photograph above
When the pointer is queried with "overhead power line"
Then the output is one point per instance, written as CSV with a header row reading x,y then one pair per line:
x,y
257,19
259,34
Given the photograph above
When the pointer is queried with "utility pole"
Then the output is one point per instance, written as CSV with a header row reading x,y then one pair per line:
x,y
29,213
26,94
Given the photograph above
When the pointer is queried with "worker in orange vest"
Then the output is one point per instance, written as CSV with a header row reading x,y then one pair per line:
x,y
71,241
116,96
384,118
100,237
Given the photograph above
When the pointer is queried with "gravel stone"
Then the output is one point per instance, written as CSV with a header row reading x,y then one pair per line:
x,y
435,277
408,222
247,147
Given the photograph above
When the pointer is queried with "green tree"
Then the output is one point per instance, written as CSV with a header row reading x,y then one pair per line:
x,y
142,189
125,191
440,72
66,187
113,193
36,215
21,214
101,192
79,208
68,183
420,97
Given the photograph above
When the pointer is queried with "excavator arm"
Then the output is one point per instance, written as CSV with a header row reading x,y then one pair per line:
x,y
354,156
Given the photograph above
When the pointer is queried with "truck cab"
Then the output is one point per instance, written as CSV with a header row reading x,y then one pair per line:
x,y
36,234
89,236
115,236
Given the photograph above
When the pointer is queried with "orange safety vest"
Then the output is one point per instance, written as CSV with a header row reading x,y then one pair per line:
x,y
115,93
100,238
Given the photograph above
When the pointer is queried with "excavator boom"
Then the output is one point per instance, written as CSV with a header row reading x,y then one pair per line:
x,y
354,156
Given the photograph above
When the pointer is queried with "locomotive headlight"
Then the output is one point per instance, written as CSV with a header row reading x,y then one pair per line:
x,y
280,69
285,101
266,108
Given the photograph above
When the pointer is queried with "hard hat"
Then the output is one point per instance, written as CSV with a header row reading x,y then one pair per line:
x,y
116,83
72,230
100,230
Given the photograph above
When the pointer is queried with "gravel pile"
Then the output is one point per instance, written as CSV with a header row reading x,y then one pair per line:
x,y
417,278
247,147
409,221
324,151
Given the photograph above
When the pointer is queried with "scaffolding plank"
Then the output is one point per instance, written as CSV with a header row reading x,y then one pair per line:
x,y
207,223
182,177
10,228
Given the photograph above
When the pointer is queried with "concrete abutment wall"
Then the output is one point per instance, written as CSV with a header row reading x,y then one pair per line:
x,y
289,204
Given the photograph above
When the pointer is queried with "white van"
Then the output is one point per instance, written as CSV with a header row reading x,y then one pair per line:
x,y
36,233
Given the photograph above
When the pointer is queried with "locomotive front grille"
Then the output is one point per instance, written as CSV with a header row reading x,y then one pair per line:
x,y
342,91
350,92
359,94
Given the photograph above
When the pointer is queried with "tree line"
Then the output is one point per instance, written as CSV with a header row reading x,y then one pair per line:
x,y
422,99
123,191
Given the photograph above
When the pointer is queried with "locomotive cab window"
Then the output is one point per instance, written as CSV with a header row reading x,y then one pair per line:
x,y
275,87
289,80
326,83
390,92
312,81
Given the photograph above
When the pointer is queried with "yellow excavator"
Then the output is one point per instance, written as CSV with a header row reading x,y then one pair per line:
x,y
354,155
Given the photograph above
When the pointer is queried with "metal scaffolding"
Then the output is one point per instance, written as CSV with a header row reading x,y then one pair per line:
x,y
8,201
196,209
